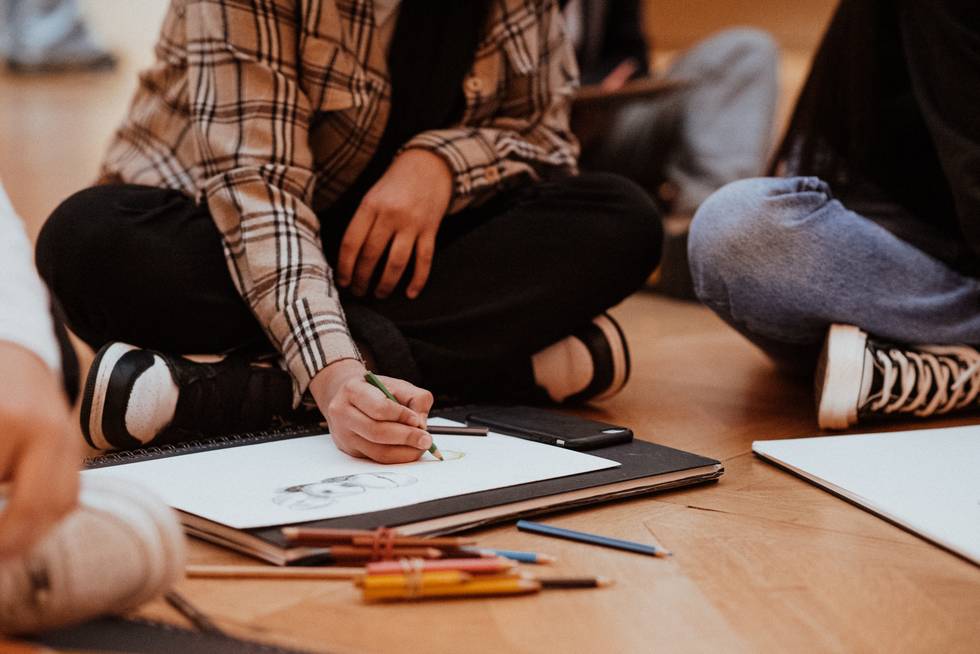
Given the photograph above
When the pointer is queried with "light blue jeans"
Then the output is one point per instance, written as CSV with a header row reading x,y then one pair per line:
x,y
780,259
717,128
35,32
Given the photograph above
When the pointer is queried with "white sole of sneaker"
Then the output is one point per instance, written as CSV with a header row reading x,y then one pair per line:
x,y
838,377
617,345
93,400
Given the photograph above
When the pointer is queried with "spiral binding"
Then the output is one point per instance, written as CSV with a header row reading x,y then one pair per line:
x,y
201,445
221,442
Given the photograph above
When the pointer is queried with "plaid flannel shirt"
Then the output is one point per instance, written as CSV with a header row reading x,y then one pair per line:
x,y
267,110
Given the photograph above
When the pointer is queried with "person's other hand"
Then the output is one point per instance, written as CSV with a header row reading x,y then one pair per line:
x,y
404,210
39,450
619,76
364,423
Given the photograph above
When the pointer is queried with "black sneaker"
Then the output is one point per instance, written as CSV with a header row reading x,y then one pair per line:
x,y
591,364
861,378
135,397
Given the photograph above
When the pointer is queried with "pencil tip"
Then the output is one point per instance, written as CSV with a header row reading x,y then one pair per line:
x,y
664,554
547,558
438,455
603,582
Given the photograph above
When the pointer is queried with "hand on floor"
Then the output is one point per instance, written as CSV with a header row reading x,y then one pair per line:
x,y
366,424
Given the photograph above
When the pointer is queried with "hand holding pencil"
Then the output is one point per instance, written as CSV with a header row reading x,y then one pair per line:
x,y
364,422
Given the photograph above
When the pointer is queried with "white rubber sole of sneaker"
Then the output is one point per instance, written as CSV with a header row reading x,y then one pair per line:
x,y
93,401
619,354
839,376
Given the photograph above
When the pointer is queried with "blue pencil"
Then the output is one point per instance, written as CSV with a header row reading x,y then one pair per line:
x,y
581,536
522,557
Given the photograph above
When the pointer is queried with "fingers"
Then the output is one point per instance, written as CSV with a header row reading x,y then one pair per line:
x,y
44,489
424,251
367,260
388,433
398,258
356,445
350,247
417,399
373,403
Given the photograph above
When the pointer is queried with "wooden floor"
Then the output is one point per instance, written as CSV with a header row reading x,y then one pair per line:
x,y
763,561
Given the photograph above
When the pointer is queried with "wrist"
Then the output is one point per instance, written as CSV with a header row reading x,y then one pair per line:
x,y
328,381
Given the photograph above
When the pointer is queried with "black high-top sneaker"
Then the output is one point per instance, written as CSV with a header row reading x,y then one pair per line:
x,y
135,397
859,377
591,364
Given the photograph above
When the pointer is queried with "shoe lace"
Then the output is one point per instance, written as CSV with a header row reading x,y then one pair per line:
x,y
932,379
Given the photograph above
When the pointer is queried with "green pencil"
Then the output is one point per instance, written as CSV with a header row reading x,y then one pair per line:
x,y
377,383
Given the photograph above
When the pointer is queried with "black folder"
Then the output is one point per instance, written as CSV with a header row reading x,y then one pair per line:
x,y
644,468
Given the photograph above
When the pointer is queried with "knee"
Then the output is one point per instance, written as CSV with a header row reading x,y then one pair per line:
x,y
748,49
73,236
627,230
748,234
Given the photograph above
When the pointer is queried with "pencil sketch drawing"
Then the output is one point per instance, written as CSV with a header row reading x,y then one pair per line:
x,y
318,494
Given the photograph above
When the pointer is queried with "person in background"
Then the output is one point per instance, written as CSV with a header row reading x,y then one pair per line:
x,y
48,36
681,144
387,185
862,260
54,539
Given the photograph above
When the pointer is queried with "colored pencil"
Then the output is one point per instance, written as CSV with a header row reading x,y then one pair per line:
x,y
414,541
446,430
270,572
573,582
521,557
352,553
420,580
592,539
377,383
296,535
365,538
474,588
465,565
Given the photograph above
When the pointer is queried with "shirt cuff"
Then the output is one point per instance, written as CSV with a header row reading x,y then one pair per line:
x,y
475,163
311,335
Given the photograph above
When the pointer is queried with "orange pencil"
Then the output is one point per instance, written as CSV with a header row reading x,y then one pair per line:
x,y
474,588
412,541
475,566
349,553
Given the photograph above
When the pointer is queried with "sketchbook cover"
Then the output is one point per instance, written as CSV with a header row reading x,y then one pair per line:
x,y
637,459
925,481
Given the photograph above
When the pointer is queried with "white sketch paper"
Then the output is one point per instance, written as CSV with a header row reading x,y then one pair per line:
x,y
308,478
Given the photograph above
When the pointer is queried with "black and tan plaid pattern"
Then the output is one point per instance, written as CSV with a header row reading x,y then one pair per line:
x,y
267,110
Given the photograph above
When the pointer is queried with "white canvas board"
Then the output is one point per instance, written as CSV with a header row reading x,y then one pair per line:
x,y
308,478
927,481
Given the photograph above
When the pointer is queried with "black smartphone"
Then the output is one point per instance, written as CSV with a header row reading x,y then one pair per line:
x,y
549,427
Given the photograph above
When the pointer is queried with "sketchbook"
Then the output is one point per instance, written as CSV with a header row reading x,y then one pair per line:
x,y
926,481
257,483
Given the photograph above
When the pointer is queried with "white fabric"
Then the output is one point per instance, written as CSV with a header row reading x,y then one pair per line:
x,y
25,317
573,22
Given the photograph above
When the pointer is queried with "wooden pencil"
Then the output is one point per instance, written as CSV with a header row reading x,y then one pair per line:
x,y
295,535
271,572
487,566
448,542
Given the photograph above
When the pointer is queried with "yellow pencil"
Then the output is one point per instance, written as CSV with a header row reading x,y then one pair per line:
x,y
414,580
473,588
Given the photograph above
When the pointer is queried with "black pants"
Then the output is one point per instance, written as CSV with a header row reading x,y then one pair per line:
x,y
145,266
